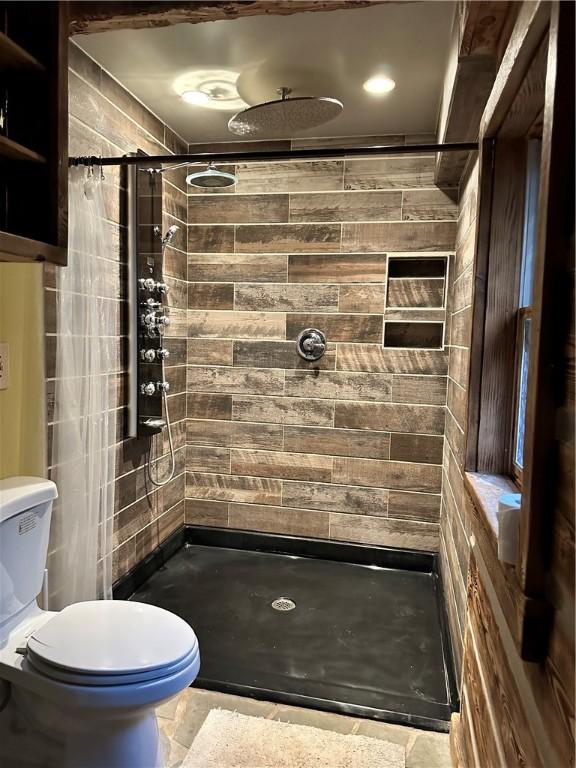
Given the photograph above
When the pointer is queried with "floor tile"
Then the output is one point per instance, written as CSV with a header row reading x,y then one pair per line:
x,y
430,750
397,734
327,721
198,703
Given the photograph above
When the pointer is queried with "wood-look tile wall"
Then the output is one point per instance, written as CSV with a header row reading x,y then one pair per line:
x,y
349,448
454,526
106,120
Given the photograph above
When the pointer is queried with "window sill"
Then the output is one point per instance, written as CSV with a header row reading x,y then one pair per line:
x,y
485,490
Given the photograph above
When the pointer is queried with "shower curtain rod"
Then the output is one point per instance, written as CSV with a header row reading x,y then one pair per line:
x,y
291,154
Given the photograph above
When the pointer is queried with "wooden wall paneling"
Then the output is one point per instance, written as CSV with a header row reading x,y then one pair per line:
x,y
480,28
531,24
551,308
90,17
500,307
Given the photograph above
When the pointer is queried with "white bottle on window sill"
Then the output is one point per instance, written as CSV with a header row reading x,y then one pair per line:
x,y
508,515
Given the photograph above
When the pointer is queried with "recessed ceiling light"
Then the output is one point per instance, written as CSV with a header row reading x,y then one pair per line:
x,y
210,88
195,97
379,84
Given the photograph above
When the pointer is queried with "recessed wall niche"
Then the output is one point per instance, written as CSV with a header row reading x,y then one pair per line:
x,y
415,302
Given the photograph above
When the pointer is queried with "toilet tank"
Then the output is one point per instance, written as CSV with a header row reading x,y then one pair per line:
x,y
25,511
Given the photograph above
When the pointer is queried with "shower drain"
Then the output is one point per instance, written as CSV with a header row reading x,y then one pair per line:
x,y
283,604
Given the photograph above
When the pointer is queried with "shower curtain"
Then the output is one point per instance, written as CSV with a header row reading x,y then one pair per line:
x,y
80,560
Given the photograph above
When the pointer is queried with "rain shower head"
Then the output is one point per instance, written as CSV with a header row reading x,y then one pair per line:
x,y
284,116
169,236
211,178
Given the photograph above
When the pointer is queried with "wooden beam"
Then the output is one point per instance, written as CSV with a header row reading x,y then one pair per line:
x,y
90,17
525,40
480,28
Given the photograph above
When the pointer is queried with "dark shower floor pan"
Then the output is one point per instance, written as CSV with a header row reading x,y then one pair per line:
x,y
365,638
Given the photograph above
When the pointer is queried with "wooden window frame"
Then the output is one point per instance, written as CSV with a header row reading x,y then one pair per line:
x,y
543,33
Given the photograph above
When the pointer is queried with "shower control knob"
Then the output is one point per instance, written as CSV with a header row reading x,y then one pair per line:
x,y
147,283
149,319
148,388
163,386
162,288
151,304
149,355
162,354
162,320
311,344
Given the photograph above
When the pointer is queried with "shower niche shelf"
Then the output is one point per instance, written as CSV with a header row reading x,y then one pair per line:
x,y
414,317
34,132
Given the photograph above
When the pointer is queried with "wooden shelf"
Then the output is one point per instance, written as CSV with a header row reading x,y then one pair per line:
x,y
11,150
14,57
16,248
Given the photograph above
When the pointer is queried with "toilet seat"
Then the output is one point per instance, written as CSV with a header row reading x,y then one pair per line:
x,y
111,643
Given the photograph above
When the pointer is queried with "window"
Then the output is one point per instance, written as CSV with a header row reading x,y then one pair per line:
x,y
523,318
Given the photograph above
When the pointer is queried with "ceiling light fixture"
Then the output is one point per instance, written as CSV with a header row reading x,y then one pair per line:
x,y
379,84
195,97
210,88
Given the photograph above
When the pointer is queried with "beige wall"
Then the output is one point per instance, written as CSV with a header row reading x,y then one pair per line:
x,y
22,405
348,449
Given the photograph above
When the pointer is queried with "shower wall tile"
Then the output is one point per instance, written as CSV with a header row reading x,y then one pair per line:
x,y
200,406
373,357
427,390
337,385
238,209
250,490
283,410
384,532
287,238
210,352
204,238
349,447
211,296
408,172
278,354
430,204
287,466
340,327
341,206
291,176
348,268
361,298
401,475
254,381
337,498
284,520
286,298
339,442
105,119
204,512
239,268
390,417
403,236
236,325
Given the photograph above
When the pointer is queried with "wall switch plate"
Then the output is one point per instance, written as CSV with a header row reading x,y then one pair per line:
x,y
4,366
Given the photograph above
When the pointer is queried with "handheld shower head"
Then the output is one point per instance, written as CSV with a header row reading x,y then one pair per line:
x,y
169,236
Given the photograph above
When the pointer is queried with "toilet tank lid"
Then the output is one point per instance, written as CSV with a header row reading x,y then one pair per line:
x,y
17,494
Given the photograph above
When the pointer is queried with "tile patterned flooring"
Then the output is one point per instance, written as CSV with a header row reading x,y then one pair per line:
x,y
180,720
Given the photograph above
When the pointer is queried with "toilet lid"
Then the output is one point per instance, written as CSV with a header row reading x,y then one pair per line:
x,y
113,637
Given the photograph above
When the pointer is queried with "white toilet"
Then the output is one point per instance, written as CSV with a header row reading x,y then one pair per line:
x,y
90,675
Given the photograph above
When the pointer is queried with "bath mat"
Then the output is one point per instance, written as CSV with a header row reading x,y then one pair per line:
x,y
231,740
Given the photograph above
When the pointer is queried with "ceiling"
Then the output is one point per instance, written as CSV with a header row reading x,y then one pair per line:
x,y
323,53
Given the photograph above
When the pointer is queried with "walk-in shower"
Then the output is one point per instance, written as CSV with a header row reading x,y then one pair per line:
x,y
366,633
